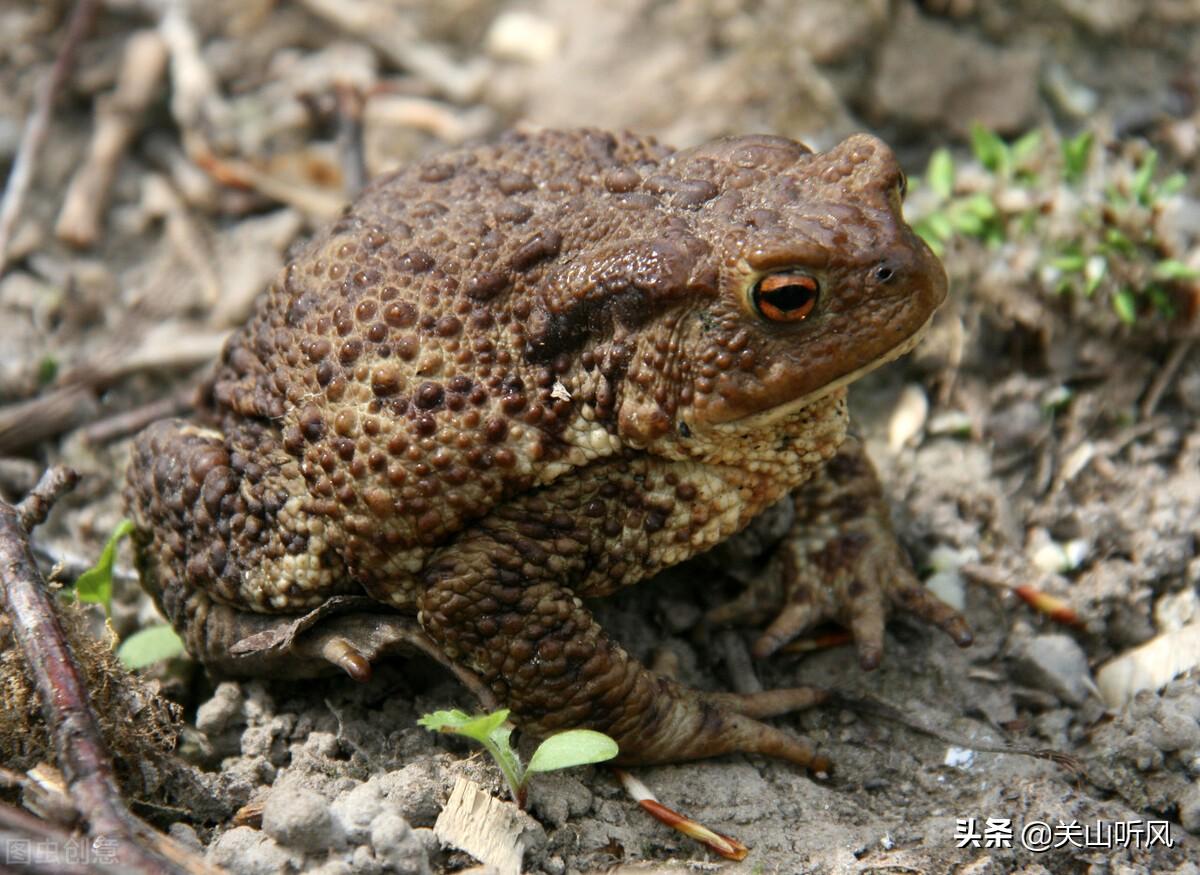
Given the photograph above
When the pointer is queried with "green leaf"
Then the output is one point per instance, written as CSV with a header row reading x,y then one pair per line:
x,y
95,585
1172,269
47,370
971,215
1025,146
1070,262
1116,240
576,747
1125,306
1173,184
479,727
931,240
981,205
989,149
488,730
500,747
150,645
1140,188
939,226
940,173
1075,152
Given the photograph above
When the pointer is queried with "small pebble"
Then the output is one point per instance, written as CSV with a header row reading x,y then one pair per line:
x,y
248,852
299,818
215,715
1056,664
908,417
396,846
355,809
522,36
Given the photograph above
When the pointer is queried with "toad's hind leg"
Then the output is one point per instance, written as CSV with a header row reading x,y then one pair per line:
x,y
495,600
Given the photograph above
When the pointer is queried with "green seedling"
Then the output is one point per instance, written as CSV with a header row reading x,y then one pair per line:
x,y
990,150
575,747
1110,251
95,586
1076,152
47,370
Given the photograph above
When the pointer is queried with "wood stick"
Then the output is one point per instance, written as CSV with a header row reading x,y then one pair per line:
x,y
33,138
118,117
79,747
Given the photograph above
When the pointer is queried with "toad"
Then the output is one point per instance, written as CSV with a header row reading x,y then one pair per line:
x,y
518,375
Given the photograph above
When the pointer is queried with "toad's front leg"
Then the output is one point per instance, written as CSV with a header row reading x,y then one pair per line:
x,y
839,561
495,600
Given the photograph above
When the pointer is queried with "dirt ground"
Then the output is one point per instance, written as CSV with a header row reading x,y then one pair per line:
x,y
1034,439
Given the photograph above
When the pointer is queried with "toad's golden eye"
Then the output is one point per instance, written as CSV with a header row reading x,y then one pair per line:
x,y
786,297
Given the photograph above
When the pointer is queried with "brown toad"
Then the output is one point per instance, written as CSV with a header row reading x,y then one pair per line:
x,y
514,375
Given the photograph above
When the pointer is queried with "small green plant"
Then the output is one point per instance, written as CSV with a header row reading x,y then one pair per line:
x,y
575,747
952,215
95,586
1076,152
1090,214
47,370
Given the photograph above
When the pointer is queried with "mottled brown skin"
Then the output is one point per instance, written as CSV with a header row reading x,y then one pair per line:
x,y
514,375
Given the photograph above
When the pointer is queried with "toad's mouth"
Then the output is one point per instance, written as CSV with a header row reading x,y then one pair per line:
x,y
773,417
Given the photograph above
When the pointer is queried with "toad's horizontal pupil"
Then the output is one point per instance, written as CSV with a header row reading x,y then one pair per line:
x,y
790,297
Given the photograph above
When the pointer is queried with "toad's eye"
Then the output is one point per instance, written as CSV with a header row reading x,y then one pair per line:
x,y
902,186
785,297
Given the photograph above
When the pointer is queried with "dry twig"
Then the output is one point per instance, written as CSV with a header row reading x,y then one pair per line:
x,y
392,34
73,403
66,707
118,117
1154,394
128,422
350,139
38,124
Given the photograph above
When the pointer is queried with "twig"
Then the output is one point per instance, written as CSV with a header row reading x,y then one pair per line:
x,y
727,846
27,422
392,34
21,831
316,203
66,708
387,109
159,199
1167,373
74,403
869,705
350,138
195,100
38,123
118,116
128,422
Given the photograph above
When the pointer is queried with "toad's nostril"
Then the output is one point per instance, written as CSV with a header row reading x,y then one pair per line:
x,y
884,273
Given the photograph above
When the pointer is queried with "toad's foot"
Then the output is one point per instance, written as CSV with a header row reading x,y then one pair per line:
x,y
495,601
839,561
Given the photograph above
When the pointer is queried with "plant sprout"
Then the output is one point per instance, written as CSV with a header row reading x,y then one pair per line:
x,y
95,586
564,750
